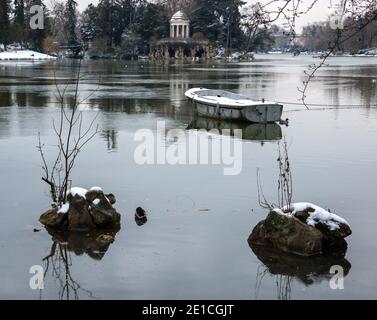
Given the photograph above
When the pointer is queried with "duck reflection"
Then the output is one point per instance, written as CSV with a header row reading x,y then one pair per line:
x,y
59,261
287,267
253,132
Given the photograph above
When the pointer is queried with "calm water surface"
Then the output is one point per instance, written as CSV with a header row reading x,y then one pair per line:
x,y
194,244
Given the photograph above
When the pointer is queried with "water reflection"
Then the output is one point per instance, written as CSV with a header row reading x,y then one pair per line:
x,y
110,136
58,262
23,99
253,132
287,267
177,88
5,99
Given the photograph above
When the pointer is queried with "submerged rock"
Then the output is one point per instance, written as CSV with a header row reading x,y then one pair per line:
x,y
85,210
305,230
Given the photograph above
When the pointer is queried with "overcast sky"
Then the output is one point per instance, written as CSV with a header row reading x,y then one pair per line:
x,y
318,13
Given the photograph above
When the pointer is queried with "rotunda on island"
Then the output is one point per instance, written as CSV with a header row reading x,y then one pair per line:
x,y
180,45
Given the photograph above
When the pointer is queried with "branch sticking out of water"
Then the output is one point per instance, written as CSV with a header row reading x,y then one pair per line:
x,y
285,185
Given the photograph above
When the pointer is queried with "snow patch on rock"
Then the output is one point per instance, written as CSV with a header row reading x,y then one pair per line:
x,y
79,191
64,208
331,220
95,189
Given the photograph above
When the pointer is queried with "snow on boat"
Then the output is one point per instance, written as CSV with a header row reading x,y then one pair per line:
x,y
226,105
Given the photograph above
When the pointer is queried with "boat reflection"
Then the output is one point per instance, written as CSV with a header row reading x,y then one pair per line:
x,y
253,132
289,267
58,262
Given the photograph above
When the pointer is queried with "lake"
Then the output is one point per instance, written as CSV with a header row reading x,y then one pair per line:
x,y
194,245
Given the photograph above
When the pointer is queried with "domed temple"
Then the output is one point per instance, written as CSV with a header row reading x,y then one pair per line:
x,y
180,45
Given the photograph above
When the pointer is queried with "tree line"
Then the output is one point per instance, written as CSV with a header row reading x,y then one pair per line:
x,y
129,26
358,34
112,22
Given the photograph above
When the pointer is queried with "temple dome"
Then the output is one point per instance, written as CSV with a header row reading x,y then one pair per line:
x,y
179,15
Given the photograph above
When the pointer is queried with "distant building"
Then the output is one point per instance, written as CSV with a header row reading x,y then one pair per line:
x,y
180,45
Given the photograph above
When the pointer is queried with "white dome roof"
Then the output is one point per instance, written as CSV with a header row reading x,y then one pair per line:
x,y
179,15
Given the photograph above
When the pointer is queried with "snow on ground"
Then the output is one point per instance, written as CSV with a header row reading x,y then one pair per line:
x,y
24,55
64,208
77,190
331,220
96,202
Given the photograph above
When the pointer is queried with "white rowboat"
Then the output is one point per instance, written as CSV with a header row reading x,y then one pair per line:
x,y
226,105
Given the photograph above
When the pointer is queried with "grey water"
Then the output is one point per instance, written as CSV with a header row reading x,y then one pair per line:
x,y
194,245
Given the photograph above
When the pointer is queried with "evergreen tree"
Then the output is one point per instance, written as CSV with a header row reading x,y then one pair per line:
x,y
19,21
35,37
205,19
229,10
4,22
151,20
105,14
71,24
89,24
218,20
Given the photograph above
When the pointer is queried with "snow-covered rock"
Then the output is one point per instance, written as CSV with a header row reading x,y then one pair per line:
x,y
25,55
303,229
84,210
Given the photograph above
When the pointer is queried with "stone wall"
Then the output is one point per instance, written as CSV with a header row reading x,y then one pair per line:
x,y
181,50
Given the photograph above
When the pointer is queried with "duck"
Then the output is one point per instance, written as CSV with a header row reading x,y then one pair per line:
x,y
140,216
140,213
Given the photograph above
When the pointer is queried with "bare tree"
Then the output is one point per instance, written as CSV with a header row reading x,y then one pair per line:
x,y
285,185
71,136
361,13
253,18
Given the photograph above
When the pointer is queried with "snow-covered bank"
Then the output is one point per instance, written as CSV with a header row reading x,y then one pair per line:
x,y
25,55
